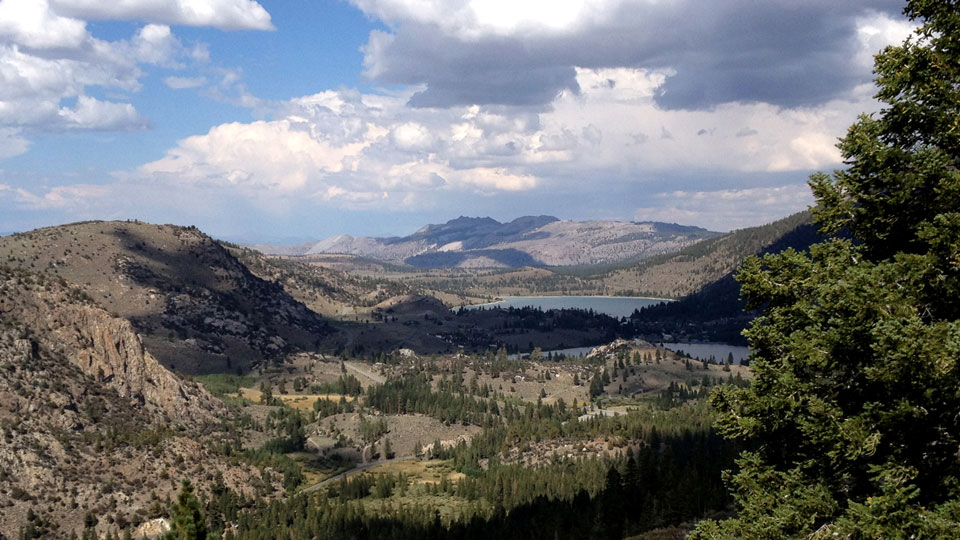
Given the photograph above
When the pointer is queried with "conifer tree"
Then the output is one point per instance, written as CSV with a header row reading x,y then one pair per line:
x,y
186,519
855,409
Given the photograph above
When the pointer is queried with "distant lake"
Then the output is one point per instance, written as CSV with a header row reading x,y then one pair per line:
x,y
575,352
703,351
615,306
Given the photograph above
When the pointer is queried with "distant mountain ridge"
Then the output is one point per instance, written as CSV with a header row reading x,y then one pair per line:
x,y
525,241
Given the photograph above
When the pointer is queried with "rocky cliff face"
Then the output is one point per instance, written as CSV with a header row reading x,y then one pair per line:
x,y
101,346
90,421
109,349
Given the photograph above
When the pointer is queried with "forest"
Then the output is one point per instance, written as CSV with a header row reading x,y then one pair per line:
x,y
844,423
849,428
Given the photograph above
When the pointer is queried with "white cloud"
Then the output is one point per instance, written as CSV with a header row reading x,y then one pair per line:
x,y
33,24
355,149
373,149
411,136
477,19
75,197
91,113
639,136
491,98
728,209
179,83
876,30
782,52
156,44
48,58
276,155
33,87
223,14
499,179
11,143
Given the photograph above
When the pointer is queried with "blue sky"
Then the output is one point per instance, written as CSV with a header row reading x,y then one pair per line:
x,y
298,119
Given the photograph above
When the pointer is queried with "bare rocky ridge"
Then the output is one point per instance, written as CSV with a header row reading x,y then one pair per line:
x,y
570,243
527,241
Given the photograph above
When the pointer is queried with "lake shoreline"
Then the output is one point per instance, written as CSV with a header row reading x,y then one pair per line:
x,y
500,299
612,306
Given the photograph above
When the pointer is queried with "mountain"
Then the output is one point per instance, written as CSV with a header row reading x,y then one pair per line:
x,y
688,270
326,291
195,306
715,312
92,423
526,241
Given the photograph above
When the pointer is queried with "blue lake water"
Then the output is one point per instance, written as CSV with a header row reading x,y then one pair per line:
x,y
615,306
701,351
704,351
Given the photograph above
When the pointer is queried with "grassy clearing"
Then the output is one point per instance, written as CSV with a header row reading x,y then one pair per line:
x,y
317,468
297,401
222,384
420,472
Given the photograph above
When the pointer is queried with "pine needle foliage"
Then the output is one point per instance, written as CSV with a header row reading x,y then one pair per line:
x,y
855,409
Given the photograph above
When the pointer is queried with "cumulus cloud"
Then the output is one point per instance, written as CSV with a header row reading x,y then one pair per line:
x,y
358,150
32,87
76,197
372,149
521,101
49,59
728,209
33,24
223,14
490,52
156,44
272,155
91,113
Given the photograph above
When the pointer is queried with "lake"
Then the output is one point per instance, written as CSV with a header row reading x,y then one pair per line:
x,y
704,351
615,306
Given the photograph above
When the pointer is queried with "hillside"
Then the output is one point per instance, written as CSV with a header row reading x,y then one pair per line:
x,y
91,423
527,241
670,275
693,267
326,291
196,307
715,312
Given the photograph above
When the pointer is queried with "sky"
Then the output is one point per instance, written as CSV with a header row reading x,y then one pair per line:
x,y
288,120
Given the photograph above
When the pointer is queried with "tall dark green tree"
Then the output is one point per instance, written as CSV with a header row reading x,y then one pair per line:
x,y
855,410
186,518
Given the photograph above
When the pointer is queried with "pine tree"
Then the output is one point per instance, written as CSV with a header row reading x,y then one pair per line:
x,y
266,393
186,519
854,412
